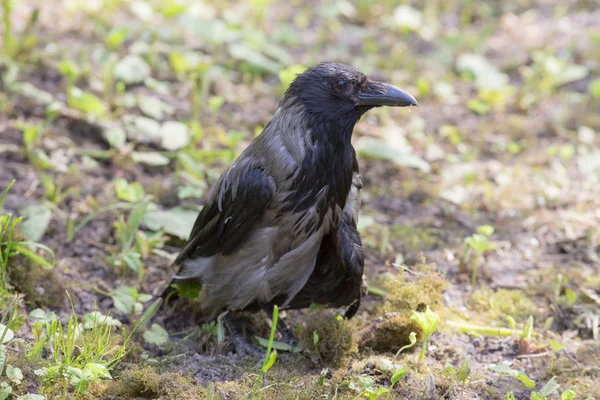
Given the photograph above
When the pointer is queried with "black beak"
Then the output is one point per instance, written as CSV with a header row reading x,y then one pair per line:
x,y
381,94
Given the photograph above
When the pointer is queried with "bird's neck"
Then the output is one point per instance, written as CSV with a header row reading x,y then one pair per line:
x,y
324,177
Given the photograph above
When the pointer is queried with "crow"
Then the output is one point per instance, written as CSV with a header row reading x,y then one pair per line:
x,y
280,225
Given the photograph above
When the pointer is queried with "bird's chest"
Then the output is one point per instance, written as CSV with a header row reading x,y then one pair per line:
x,y
323,180
314,199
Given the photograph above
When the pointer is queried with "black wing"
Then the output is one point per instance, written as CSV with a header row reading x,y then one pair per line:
x,y
237,202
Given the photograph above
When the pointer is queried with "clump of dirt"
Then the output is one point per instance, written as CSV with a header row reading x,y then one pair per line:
x,y
392,331
335,336
42,287
145,382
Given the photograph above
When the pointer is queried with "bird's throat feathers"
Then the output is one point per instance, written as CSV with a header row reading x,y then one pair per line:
x,y
328,158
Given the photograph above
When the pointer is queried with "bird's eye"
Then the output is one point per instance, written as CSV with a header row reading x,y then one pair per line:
x,y
340,84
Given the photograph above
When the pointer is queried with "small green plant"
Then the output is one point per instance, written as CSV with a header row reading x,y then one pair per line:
x,y
10,248
366,388
127,231
475,246
461,376
77,99
412,337
506,371
428,320
270,357
129,300
214,329
525,344
556,347
82,352
315,342
546,74
399,372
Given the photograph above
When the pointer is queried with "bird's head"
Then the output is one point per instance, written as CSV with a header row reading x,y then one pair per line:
x,y
339,92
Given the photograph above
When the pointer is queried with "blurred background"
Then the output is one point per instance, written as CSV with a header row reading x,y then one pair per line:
x,y
116,117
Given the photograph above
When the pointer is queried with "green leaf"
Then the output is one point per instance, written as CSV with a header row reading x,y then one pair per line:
x,y
187,289
124,299
399,374
23,248
86,102
449,370
15,375
506,370
143,129
571,296
153,107
5,392
315,338
95,371
132,192
38,314
569,394
172,8
486,230
215,103
427,320
556,346
176,221
549,388
151,158
132,69
464,371
116,37
281,346
156,334
509,396
115,136
174,135
133,261
36,219
270,362
69,69
96,318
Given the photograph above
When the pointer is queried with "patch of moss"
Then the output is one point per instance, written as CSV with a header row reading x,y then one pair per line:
x,y
42,287
283,385
145,382
390,332
502,302
424,289
414,239
585,375
336,337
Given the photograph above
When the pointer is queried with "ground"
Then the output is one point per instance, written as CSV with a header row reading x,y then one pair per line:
x,y
117,117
